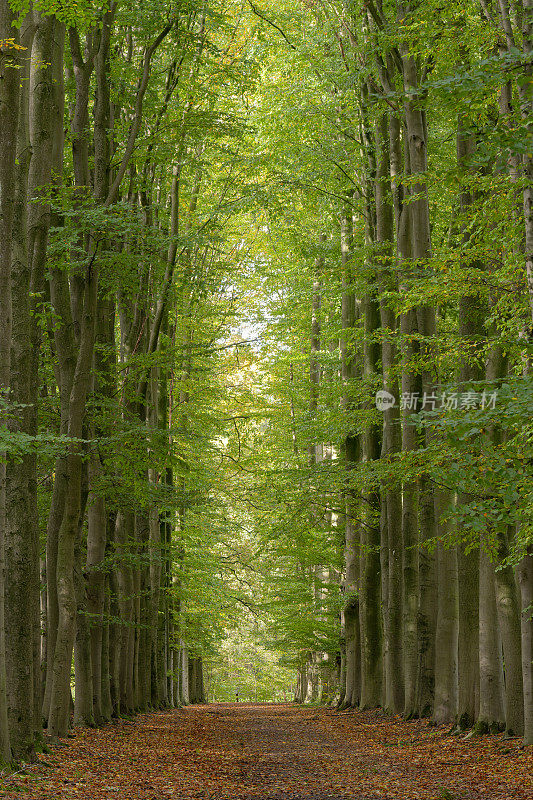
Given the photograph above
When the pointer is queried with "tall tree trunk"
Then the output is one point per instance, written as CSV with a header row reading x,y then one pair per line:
x,y
115,633
43,127
60,693
507,592
525,575
468,698
391,495
447,630
9,119
123,542
508,604
96,547
83,672
491,716
20,519
411,388
349,312
427,615
371,620
164,615
97,528
184,683
471,331
156,558
144,666
106,656
420,252
65,347
40,131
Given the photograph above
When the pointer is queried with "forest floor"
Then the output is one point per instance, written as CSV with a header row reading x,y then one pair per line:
x,y
275,752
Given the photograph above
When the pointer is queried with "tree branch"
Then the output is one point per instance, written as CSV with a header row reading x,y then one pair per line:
x,y
273,24
136,124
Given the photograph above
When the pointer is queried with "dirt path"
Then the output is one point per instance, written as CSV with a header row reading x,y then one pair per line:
x,y
276,752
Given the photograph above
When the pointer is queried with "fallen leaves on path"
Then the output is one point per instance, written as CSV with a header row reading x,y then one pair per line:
x,y
276,752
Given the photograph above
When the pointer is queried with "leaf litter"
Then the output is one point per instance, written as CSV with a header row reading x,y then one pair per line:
x,y
275,752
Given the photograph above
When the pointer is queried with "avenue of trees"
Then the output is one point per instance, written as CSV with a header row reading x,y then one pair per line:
x,y
397,140
266,325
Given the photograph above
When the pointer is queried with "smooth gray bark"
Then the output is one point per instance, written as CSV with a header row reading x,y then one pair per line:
x,y
351,450
66,592
370,615
491,707
525,575
468,698
447,631
420,250
83,672
509,614
391,442
96,546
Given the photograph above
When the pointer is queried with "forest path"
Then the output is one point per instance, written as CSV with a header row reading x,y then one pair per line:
x,y
275,752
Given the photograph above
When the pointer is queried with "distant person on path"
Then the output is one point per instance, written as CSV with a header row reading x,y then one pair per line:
x,y
236,697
